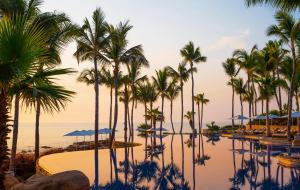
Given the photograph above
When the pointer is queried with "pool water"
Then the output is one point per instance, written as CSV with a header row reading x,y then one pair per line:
x,y
211,164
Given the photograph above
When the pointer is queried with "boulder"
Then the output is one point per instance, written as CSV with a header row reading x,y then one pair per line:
x,y
10,181
69,180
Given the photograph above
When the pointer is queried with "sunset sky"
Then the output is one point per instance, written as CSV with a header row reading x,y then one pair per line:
x,y
163,27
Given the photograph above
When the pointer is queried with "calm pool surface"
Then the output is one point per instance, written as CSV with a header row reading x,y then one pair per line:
x,y
209,164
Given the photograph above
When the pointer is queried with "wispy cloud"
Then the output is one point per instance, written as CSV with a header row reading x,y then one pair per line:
x,y
234,41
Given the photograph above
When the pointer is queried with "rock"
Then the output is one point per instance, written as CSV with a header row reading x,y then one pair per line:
x,y
69,180
10,181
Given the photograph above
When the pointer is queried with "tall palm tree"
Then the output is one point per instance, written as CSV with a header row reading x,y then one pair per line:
x,y
240,89
182,75
192,55
288,30
124,97
118,53
172,92
24,23
161,83
230,69
134,74
248,62
91,42
276,54
199,98
286,5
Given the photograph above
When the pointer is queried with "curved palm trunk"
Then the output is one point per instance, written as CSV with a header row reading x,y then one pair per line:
x,y
199,120
162,112
96,125
193,105
181,95
267,120
4,130
232,108
110,106
171,115
116,73
15,135
37,132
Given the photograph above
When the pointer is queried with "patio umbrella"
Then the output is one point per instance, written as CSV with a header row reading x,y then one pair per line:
x,y
157,129
239,117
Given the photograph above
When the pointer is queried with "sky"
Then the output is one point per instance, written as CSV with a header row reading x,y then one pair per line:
x,y
163,27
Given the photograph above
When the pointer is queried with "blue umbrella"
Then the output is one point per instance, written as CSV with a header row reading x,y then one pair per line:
x,y
294,115
75,134
105,131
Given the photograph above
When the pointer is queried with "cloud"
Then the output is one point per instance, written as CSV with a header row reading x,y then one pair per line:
x,y
233,42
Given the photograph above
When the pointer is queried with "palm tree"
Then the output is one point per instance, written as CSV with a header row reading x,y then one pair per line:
x,y
248,62
21,21
124,97
192,55
90,46
230,69
286,5
154,115
134,72
288,30
267,86
240,89
40,92
172,92
182,75
143,91
189,117
118,53
161,83
199,98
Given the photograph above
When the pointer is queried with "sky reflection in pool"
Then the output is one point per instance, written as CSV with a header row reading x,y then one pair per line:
x,y
215,165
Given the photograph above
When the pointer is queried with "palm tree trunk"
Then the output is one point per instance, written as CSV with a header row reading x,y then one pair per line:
x,y
297,106
181,94
267,120
182,161
37,132
96,124
201,116
291,92
15,135
199,120
162,112
116,73
279,93
125,113
262,106
193,107
132,107
171,115
145,105
250,102
242,110
232,107
110,106
4,130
